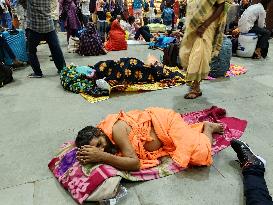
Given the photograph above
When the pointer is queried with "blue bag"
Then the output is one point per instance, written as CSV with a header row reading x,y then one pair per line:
x,y
17,42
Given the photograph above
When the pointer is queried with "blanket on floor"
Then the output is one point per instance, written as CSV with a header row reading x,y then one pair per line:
x,y
82,181
123,75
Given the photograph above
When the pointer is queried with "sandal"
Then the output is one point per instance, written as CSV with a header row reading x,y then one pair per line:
x,y
193,94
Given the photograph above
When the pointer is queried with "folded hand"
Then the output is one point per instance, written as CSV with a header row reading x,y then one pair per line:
x,y
89,154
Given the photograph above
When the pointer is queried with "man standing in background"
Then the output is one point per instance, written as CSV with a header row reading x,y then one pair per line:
x,y
85,11
40,27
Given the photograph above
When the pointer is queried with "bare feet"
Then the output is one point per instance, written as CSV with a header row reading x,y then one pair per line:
x,y
210,128
258,53
213,127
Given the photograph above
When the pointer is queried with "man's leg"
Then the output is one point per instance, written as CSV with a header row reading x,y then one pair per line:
x,y
138,33
264,36
33,40
55,49
255,189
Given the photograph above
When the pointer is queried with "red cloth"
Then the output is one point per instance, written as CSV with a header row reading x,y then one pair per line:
x,y
234,128
116,41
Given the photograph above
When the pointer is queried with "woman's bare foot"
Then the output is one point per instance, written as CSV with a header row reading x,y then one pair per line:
x,y
213,127
210,128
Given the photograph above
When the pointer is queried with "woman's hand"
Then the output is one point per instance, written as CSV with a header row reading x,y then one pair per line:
x,y
90,154
201,30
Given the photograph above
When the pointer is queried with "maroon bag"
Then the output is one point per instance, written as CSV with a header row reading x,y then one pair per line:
x,y
171,53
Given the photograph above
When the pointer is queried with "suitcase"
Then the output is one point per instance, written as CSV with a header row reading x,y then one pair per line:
x,y
17,41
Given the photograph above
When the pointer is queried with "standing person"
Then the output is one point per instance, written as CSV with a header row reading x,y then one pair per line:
x,y
243,6
20,13
85,11
92,9
137,8
253,169
68,13
182,8
253,21
205,24
101,8
40,26
125,11
5,18
168,17
55,12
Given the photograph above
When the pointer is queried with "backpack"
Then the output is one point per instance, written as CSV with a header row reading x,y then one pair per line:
x,y
170,57
168,15
5,74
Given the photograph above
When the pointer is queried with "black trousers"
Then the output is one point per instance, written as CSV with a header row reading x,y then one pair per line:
x,y
255,189
145,32
263,37
33,40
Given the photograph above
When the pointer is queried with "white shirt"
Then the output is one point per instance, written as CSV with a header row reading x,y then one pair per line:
x,y
85,7
250,16
127,27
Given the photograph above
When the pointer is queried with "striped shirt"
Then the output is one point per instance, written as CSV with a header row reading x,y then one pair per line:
x,y
39,16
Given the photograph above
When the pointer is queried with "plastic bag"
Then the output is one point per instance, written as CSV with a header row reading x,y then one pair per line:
x,y
102,84
113,201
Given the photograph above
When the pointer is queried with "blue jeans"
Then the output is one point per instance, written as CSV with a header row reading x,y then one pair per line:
x,y
6,20
33,40
255,188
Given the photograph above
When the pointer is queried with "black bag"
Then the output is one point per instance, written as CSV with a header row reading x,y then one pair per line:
x,y
170,57
5,75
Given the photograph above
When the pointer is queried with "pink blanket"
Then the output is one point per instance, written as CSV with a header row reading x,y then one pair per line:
x,y
81,181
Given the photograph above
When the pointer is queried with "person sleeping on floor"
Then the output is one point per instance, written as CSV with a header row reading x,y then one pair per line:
x,y
135,140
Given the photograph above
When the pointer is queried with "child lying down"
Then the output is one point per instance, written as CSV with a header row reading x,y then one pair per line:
x,y
137,139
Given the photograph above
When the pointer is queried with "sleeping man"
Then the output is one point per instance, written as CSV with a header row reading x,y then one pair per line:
x,y
137,139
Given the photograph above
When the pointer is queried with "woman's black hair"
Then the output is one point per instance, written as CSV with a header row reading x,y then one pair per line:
x,y
86,134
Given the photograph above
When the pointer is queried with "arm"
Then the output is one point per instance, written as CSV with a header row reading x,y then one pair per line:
x,y
128,162
216,14
261,19
122,163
